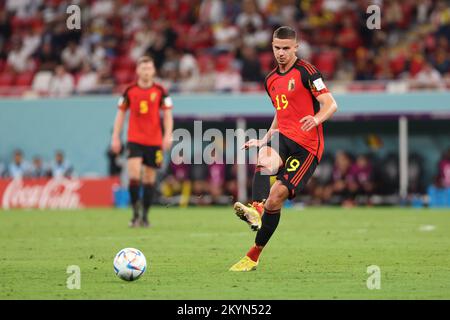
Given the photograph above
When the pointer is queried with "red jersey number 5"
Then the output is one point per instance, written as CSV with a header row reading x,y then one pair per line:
x,y
143,107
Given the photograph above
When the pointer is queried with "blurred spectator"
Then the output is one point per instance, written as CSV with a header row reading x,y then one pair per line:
x,y
41,82
348,38
443,178
226,36
200,37
360,178
97,58
87,81
206,81
102,8
340,186
157,50
105,80
170,67
249,16
73,57
251,68
188,66
229,80
255,37
143,39
47,57
332,35
211,11
38,169
441,61
177,181
428,78
18,168
62,83
31,41
18,58
60,167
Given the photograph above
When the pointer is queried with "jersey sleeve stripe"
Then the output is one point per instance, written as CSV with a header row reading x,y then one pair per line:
x,y
307,65
311,70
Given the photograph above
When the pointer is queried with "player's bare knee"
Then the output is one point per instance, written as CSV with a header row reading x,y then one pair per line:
x,y
268,166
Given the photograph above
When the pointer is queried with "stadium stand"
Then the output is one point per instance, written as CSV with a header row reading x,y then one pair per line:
x,y
414,39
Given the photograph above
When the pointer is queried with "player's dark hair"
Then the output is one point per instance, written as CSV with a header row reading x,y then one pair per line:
x,y
144,59
285,32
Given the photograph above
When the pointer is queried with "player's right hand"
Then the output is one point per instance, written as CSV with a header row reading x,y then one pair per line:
x,y
115,145
251,143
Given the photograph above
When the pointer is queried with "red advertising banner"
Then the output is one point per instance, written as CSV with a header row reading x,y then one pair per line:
x,y
57,193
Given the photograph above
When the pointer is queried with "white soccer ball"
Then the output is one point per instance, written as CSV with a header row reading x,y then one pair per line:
x,y
130,264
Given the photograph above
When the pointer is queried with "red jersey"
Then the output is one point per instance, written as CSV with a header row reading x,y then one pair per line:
x,y
293,94
145,104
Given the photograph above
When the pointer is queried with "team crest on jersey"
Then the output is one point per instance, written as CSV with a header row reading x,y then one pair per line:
x,y
152,96
291,84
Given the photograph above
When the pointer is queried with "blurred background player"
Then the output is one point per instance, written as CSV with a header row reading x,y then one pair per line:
x,y
145,140
294,144
39,169
60,167
18,168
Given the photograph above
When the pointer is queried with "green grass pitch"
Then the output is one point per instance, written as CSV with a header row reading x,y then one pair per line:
x,y
316,253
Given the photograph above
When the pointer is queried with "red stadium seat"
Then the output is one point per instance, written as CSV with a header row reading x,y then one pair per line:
x,y
124,63
24,79
326,63
6,79
223,61
123,76
203,60
267,61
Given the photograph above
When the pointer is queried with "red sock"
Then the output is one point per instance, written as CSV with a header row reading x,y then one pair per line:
x,y
254,253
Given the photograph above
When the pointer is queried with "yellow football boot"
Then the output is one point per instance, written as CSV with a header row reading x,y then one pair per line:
x,y
250,214
245,264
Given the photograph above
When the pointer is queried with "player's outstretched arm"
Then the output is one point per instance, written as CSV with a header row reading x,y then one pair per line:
x,y
328,107
168,129
118,125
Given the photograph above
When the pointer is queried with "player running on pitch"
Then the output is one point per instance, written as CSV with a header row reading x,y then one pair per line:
x,y
146,142
293,146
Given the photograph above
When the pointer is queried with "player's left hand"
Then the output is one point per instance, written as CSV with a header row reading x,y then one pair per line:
x,y
167,142
309,122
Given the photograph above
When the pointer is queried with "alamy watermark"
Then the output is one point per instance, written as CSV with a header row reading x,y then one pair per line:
x,y
374,20
189,146
73,21
374,280
74,280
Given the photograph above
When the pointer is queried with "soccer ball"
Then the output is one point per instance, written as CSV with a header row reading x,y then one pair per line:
x,y
129,264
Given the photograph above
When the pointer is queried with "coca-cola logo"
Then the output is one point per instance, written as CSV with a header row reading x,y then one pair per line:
x,y
54,194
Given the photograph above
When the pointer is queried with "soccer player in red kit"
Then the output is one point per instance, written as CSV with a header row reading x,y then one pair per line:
x,y
145,99
294,144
